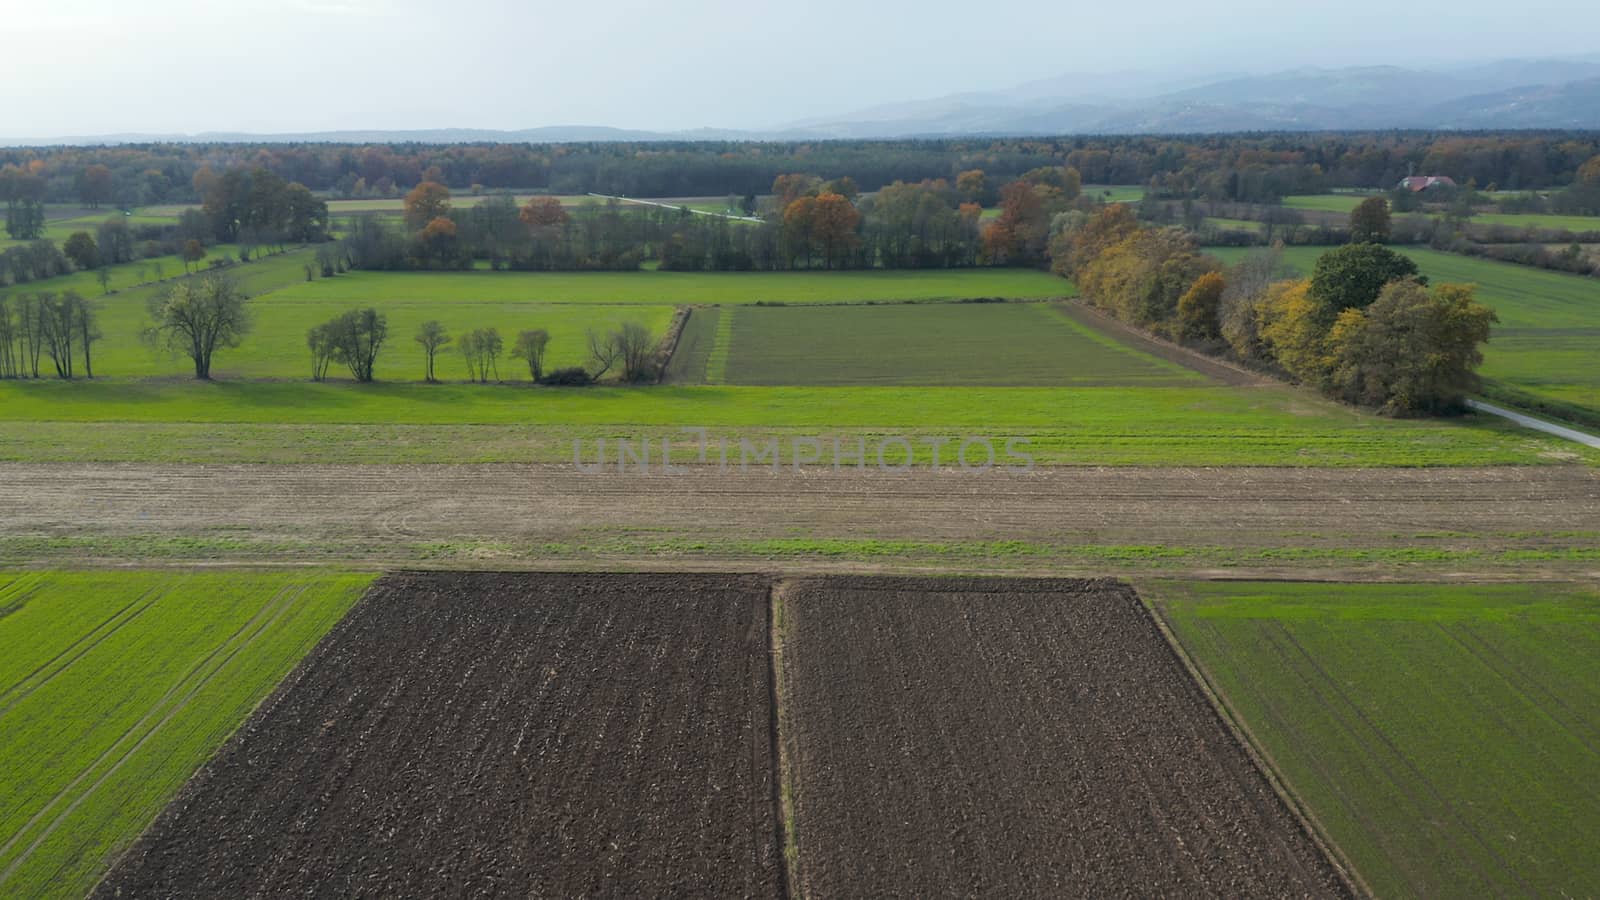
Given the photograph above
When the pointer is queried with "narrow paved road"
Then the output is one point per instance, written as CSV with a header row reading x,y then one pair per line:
x,y
1536,424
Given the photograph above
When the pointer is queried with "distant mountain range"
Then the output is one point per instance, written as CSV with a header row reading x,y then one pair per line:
x,y
1505,94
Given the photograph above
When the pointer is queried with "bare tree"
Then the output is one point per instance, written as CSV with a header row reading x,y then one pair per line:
x,y
631,345
603,352
530,346
433,337
358,335
320,341
481,348
88,332
197,318
8,340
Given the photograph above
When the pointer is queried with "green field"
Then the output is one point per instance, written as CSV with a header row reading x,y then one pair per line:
x,y
60,229
300,421
1344,203
1544,355
1115,193
1577,224
932,344
116,686
676,288
1447,738
1235,224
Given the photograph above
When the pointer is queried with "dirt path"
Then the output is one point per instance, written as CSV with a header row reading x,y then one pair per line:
x,y
1256,521
1525,421
1225,372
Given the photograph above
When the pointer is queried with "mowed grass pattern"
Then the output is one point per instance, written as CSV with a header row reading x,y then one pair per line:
x,y
934,344
116,686
1446,737
1545,352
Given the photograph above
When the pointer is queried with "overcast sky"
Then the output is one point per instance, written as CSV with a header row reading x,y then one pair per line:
x,y
81,67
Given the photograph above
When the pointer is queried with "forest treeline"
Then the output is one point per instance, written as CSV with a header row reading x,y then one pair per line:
x,y
1249,167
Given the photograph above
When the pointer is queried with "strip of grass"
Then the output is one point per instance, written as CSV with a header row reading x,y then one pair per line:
x,y
692,356
116,686
682,288
1545,352
287,422
1446,737
932,344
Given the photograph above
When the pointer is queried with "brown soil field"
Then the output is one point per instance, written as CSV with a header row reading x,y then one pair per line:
x,y
497,735
1258,522
1004,738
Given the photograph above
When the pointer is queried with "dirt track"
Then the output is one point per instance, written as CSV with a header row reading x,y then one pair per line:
x,y
520,516
984,737
489,735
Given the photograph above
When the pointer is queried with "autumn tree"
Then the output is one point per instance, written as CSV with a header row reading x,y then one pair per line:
x,y
433,337
193,252
1072,250
1290,328
1352,276
844,186
833,227
95,186
529,347
1019,234
1369,221
437,244
786,189
972,184
82,250
427,203
197,318
543,213
1198,308
1412,351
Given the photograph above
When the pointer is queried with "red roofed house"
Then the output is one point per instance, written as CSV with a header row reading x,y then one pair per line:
x,y
1422,182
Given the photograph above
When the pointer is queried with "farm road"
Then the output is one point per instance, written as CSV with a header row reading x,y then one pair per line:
x,y
1252,521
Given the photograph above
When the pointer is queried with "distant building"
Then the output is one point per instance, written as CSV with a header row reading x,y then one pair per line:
x,y
1418,183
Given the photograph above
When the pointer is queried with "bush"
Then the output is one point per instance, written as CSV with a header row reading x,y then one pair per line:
x,y
575,376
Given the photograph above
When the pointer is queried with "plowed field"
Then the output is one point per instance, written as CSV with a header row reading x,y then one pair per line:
x,y
1017,739
494,735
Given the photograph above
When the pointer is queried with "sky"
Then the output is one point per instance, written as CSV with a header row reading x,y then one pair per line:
x,y
94,67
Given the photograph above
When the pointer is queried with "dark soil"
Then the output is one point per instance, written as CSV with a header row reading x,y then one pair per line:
x,y
498,735
1001,738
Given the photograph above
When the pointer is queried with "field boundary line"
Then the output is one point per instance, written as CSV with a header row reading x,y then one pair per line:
x,y
1256,751
669,341
783,796
1140,340
168,707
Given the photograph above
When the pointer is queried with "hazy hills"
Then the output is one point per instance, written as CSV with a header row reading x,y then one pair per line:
x,y
1503,94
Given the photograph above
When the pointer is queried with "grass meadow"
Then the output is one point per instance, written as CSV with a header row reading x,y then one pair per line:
x,y
1447,737
176,420
1544,355
1344,203
117,686
679,288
